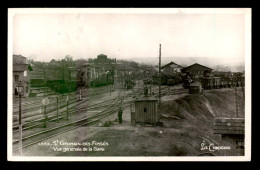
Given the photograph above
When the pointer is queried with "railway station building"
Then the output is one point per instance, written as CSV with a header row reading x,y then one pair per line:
x,y
196,70
171,68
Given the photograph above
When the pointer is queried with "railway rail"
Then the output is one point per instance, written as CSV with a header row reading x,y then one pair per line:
x,y
46,134
39,116
77,119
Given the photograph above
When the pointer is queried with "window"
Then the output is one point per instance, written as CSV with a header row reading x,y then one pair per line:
x,y
145,110
27,89
25,73
16,78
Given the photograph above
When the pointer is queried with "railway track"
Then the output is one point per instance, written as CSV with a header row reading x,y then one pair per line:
x,y
76,120
39,117
73,124
33,105
71,111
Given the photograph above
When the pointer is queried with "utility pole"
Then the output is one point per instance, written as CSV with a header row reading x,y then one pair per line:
x,y
57,98
67,107
124,77
113,78
63,84
20,123
236,96
160,76
44,78
243,90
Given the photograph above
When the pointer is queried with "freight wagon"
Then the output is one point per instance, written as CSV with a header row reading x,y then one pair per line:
x,y
169,80
129,84
207,82
216,82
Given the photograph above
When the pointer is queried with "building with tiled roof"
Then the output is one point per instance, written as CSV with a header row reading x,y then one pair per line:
x,y
21,75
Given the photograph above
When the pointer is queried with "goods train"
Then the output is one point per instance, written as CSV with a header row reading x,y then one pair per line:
x,y
129,84
169,80
217,80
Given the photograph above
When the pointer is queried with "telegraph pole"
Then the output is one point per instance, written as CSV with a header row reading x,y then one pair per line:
x,y
124,77
57,98
44,77
20,124
63,77
242,85
236,96
160,76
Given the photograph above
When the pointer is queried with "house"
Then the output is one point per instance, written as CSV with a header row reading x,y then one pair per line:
x,y
102,66
196,70
171,68
89,72
21,74
103,62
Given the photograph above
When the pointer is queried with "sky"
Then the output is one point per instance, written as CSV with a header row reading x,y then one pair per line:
x,y
46,36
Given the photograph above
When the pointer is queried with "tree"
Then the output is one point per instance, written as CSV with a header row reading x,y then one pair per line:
x,y
69,61
80,62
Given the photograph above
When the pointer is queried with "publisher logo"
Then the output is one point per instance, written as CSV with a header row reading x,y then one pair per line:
x,y
212,147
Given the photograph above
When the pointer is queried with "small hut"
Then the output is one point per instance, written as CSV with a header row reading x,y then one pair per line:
x,y
144,111
232,131
195,88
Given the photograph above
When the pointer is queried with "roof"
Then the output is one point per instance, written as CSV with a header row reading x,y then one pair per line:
x,y
171,63
142,99
193,66
22,67
196,83
19,56
229,126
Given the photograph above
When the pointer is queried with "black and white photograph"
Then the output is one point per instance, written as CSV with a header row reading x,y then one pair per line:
x,y
129,84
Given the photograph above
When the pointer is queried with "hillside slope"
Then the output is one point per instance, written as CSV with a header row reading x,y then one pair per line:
x,y
182,135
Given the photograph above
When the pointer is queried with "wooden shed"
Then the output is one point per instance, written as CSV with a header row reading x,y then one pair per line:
x,y
232,131
195,88
145,111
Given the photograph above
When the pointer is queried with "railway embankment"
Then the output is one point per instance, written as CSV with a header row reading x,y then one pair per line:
x,y
189,133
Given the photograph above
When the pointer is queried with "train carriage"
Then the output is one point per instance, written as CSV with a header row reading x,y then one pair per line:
x,y
207,82
216,82
129,84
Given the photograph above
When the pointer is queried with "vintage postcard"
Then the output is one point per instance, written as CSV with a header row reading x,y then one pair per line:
x,y
129,84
